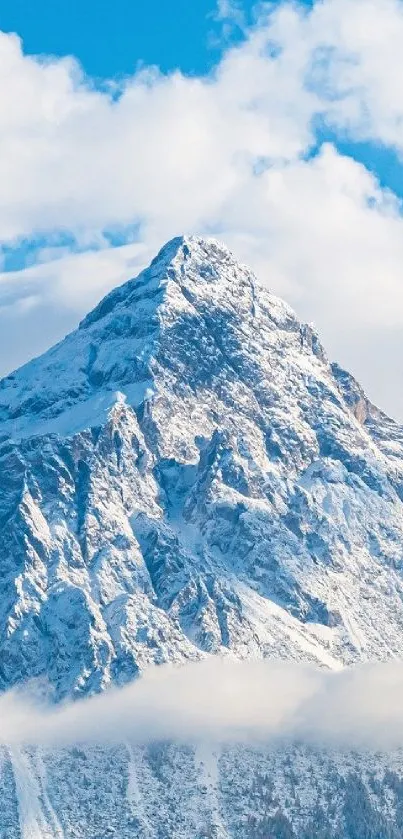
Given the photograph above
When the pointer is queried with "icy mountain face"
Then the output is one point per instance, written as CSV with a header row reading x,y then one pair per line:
x,y
164,791
187,474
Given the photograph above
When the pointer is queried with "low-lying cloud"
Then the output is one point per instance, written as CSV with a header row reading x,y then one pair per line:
x,y
225,701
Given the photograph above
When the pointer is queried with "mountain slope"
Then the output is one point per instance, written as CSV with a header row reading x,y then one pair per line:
x,y
186,474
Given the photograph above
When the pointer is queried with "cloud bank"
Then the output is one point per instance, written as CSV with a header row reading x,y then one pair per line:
x,y
225,701
250,153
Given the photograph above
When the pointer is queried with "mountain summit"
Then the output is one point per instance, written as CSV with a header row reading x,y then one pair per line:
x,y
186,474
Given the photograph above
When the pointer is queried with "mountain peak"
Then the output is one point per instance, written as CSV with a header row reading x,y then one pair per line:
x,y
184,246
194,318
183,259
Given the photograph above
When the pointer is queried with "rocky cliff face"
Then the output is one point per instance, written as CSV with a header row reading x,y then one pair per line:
x,y
186,474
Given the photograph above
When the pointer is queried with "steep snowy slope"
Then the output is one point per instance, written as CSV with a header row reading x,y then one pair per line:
x,y
187,474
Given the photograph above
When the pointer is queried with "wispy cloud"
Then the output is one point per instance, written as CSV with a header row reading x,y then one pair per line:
x,y
226,701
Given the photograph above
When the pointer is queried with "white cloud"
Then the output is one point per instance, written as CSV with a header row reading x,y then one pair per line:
x,y
358,45
164,151
223,700
228,10
228,155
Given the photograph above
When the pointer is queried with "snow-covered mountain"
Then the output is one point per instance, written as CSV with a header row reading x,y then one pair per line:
x,y
186,474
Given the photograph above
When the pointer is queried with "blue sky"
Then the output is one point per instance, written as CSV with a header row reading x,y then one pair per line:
x,y
280,134
111,38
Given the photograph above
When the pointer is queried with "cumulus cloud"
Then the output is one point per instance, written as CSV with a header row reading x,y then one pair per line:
x,y
236,154
225,701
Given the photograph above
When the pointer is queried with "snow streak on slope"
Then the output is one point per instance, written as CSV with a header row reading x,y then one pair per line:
x,y
38,820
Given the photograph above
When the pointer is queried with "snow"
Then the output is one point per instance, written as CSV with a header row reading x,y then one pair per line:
x,y
84,415
38,819
206,757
